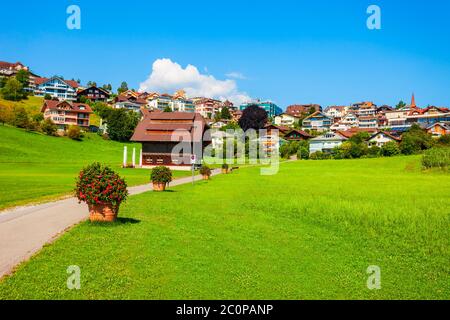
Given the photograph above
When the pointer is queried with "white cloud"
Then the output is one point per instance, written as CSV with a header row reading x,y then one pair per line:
x,y
169,76
236,75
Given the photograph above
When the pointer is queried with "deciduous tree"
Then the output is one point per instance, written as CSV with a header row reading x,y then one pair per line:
x,y
253,117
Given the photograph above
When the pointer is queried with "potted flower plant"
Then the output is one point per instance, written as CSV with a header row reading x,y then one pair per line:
x,y
225,168
205,171
161,176
103,190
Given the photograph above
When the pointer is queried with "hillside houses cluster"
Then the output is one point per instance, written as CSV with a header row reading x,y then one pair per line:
x,y
325,129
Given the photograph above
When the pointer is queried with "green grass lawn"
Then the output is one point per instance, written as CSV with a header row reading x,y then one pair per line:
x,y
309,232
35,167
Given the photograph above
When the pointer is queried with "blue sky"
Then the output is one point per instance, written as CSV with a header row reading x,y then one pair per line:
x,y
291,52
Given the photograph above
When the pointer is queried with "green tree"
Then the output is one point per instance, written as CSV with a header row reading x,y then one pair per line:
x,y
400,105
21,118
13,90
390,149
47,97
415,140
3,81
444,140
303,153
23,76
374,152
230,126
225,113
360,137
123,87
38,117
121,124
167,109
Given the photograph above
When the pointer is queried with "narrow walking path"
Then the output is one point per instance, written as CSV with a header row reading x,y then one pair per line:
x,y
25,230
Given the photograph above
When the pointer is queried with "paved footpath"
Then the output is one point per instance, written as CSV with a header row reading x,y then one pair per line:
x,y
25,230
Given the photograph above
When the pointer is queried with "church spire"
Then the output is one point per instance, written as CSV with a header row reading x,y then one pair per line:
x,y
413,101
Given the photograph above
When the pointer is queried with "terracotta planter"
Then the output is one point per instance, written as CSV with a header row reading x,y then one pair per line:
x,y
159,186
224,171
102,213
206,177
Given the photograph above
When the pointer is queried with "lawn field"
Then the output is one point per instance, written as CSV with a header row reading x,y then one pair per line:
x,y
309,232
35,167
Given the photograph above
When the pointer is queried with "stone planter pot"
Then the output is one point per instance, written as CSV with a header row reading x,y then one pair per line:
x,y
159,186
205,177
225,171
102,213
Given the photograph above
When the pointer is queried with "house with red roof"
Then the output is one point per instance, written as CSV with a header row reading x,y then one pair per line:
x,y
56,87
67,113
8,69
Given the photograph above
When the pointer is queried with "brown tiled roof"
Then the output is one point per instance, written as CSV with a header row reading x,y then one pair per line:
x,y
7,65
52,104
351,132
282,129
300,132
387,134
159,127
423,111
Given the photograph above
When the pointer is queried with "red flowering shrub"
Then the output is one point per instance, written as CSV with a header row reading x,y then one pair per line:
x,y
98,184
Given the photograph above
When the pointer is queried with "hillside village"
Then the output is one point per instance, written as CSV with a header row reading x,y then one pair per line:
x,y
305,131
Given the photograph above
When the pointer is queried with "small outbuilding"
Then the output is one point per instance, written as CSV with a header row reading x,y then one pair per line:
x,y
171,138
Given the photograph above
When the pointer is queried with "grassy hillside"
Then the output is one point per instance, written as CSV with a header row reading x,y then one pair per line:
x,y
309,232
32,104
35,167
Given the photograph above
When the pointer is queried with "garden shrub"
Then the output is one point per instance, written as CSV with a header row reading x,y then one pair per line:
x,y
374,152
444,140
161,174
49,127
390,149
318,155
74,133
98,184
205,171
436,158
416,140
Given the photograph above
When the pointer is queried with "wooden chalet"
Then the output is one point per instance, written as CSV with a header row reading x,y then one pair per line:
x,y
171,138
297,135
94,94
